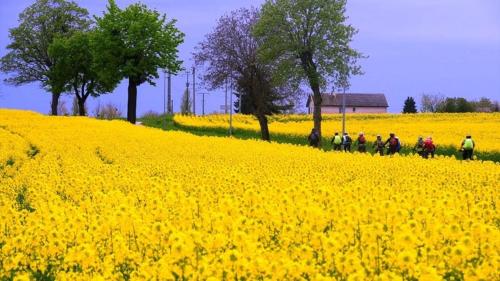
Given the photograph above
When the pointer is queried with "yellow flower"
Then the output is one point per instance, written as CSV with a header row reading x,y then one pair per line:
x,y
109,201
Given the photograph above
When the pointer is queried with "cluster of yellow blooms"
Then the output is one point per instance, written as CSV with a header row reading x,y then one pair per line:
x,y
445,128
82,199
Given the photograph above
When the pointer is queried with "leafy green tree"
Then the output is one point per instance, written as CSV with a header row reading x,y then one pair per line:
x,y
447,105
464,105
483,105
456,105
186,103
28,59
73,70
308,40
134,43
410,105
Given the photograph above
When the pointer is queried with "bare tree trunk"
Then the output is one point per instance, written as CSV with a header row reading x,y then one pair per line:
x,y
313,76
132,101
54,103
317,112
264,129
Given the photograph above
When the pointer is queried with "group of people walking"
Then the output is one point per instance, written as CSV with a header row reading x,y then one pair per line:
x,y
391,146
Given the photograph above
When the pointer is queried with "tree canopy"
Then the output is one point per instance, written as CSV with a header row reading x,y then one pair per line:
x,y
308,41
74,69
28,59
134,43
231,52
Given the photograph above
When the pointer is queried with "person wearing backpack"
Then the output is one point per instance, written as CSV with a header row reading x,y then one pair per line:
x,y
429,148
361,142
467,147
379,145
398,147
347,141
313,138
394,144
419,146
336,141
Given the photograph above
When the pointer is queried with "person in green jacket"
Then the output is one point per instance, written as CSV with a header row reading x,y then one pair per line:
x,y
336,141
419,146
467,147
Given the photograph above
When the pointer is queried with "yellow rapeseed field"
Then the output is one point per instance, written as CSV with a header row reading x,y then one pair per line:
x,y
82,199
445,128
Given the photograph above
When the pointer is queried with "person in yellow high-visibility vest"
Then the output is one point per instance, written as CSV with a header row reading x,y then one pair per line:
x,y
336,141
467,147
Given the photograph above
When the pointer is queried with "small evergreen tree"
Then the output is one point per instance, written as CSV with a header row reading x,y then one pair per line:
x,y
186,103
410,106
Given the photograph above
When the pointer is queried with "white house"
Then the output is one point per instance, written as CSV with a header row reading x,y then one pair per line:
x,y
355,103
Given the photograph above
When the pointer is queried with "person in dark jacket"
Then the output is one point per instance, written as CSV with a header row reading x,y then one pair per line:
x,y
346,142
313,138
378,145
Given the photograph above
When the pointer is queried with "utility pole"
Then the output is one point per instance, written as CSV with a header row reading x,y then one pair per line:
x,y
164,98
164,91
170,109
187,86
203,102
225,101
194,89
231,109
343,114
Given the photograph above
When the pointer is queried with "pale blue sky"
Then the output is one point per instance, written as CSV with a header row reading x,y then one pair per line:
x,y
450,47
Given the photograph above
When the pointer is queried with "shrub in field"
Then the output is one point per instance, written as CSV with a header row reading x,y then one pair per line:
x,y
108,111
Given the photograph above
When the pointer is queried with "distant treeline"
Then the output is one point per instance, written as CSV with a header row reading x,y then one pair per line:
x,y
439,103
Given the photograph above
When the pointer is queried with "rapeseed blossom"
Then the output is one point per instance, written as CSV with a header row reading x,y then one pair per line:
x,y
445,128
82,199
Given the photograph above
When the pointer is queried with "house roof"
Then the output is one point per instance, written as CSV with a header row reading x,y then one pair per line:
x,y
353,99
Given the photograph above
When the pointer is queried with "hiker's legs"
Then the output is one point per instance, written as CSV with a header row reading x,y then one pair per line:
x,y
362,148
347,148
467,154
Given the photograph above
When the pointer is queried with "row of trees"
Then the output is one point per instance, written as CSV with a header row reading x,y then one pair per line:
x,y
269,53
439,103
265,54
60,46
